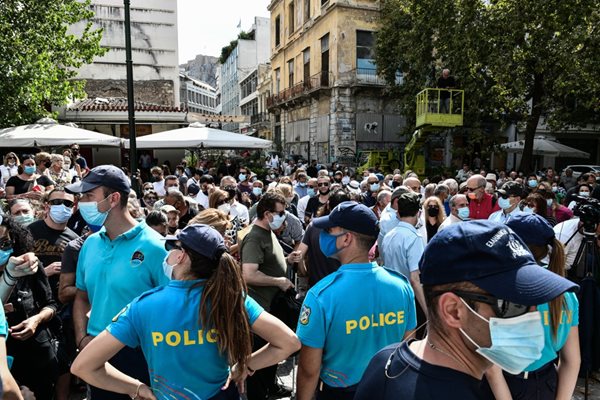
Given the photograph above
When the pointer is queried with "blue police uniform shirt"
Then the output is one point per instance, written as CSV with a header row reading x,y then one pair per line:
x,y
569,318
414,378
183,357
353,313
114,272
388,220
403,248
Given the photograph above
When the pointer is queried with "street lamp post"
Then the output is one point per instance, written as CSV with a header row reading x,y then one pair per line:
x,y
130,100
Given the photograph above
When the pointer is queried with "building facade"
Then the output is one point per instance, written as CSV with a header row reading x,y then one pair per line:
x,y
240,64
197,96
327,101
154,52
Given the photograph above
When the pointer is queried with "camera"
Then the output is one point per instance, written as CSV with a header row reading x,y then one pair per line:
x,y
588,211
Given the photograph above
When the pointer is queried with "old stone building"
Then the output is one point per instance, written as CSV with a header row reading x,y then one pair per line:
x,y
327,100
154,52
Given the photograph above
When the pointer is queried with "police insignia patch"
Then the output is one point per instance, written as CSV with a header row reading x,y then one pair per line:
x,y
304,314
116,317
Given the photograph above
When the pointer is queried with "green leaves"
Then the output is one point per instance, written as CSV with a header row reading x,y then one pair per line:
x,y
510,56
39,57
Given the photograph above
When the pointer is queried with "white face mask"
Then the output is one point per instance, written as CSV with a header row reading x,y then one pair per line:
x,y
277,221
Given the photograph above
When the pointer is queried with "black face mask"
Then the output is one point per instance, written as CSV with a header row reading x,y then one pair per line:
x,y
433,211
47,164
172,230
395,184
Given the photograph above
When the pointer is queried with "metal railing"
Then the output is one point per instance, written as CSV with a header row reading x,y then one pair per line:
x,y
318,81
260,117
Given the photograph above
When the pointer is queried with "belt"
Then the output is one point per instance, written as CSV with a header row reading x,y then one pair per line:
x,y
543,370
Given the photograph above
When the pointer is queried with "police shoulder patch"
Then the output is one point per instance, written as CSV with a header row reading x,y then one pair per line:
x,y
304,314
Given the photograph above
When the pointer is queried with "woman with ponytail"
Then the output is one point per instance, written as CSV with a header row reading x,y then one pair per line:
x,y
195,332
544,379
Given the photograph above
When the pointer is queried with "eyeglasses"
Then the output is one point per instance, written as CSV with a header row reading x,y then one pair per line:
x,y
311,186
172,245
473,189
502,308
11,158
322,184
150,198
6,244
58,202
280,213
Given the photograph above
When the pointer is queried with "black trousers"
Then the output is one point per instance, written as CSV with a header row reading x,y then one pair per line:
x,y
129,361
263,380
537,385
326,392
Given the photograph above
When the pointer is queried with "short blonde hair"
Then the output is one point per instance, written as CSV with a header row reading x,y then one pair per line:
x,y
56,158
212,217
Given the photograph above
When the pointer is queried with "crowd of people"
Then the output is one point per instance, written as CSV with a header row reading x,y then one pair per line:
x,y
386,285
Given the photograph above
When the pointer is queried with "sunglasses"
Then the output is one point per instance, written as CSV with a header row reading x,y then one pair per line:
x,y
280,213
473,189
11,158
6,244
172,245
502,308
150,198
506,196
58,202
322,184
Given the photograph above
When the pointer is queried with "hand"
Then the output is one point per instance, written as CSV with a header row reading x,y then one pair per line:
x,y
24,265
295,257
53,269
245,197
145,393
284,284
25,329
2,192
34,195
239,377
8,308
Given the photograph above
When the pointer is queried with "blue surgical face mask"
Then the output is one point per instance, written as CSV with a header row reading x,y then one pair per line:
x,y
504,203
256,191
516,342
463,213
168,269
94,218
374,187
60,213
528,210
532,183
302,184
327,243
23,219
5,255
29,169
242,177
549,202
584,194
277,221
311,192
555,189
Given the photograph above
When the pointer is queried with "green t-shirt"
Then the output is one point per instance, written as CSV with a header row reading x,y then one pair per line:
x,y
260,246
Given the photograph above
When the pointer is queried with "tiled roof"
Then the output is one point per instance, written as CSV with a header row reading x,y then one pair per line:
x,y
119,104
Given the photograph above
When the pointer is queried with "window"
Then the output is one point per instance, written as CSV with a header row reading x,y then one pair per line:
x,y
325,60
277,80
291,17
323,2
365,50
291,72
277,30
306,57
306,10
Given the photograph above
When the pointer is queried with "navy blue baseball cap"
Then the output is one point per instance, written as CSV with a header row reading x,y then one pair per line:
x,y
351,216
532,228
203,239
491,256
103,175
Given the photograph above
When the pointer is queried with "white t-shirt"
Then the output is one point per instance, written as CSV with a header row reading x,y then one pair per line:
x,y
239,210
6,173
301,207
202,199
159,188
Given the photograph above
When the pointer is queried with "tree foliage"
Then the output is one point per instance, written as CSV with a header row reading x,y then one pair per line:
x,y
39,57
517,60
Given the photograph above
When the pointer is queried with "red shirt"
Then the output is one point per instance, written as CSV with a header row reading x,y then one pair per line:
x,y
482,209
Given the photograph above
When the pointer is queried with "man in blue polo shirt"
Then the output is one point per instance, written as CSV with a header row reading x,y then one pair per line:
x,y
117,264
481,285
352,313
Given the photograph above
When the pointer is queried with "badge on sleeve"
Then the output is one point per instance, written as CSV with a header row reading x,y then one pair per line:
x,y
304,314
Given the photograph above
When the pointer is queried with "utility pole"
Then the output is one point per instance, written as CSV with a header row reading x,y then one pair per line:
x,y
130,101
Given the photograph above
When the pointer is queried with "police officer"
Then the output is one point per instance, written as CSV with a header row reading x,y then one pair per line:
x,y
352,313
191,330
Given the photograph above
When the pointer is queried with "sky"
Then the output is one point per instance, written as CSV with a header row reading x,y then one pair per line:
x,y
205,26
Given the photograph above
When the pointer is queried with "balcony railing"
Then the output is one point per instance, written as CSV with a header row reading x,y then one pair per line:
x,y
260,117
321,80
362,76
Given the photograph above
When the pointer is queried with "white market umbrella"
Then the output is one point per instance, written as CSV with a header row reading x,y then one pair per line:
x,y
198,135
48,132
545,147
